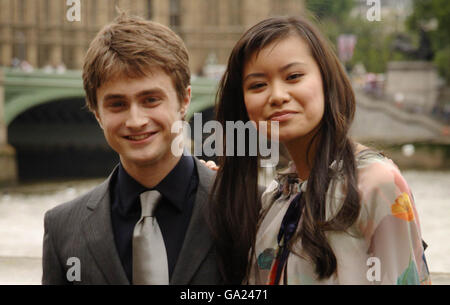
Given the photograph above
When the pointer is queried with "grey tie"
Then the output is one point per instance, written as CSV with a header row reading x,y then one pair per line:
x,y
150,265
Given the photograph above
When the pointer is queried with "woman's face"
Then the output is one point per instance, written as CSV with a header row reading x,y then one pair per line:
x,y
283,83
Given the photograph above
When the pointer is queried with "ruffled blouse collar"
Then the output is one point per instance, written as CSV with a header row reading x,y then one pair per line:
x,y
288,182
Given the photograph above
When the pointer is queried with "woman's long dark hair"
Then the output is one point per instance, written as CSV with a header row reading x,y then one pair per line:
x,y
234,214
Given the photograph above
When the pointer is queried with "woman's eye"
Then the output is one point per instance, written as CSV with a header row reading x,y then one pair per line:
x,y
256,86
294,76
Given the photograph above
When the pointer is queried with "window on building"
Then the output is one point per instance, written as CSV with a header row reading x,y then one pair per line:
x,y
213,12
93,13
280,7
21,11
235,8
19,47
43,55
112,10
46,12
43,12
149,9
175,11
68,56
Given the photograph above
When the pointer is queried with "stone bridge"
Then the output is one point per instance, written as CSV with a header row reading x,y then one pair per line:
x,y
44,125
380,121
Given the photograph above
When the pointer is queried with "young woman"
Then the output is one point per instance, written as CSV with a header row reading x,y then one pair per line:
x,y
342,213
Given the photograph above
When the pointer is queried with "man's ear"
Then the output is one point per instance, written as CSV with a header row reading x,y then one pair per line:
x,y
185,102
97,117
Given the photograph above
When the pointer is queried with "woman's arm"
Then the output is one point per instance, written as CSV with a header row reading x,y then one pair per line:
x,y
391,226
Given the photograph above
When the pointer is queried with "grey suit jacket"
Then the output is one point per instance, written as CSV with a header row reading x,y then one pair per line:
x,y
79,234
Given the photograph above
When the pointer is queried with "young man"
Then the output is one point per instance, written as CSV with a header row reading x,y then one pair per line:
x,y
137,84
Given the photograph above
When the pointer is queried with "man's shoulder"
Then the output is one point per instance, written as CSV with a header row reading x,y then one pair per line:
x,y
73,209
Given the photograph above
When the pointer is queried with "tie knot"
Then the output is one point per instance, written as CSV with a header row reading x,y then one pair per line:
x,y
149,201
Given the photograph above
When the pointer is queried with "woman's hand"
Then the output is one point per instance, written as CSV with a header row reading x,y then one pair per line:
x,y
210,165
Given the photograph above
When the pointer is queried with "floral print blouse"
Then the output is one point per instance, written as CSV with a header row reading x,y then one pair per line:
x,y
384,245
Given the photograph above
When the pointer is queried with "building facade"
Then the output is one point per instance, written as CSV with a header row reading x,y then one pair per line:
x,y
39,31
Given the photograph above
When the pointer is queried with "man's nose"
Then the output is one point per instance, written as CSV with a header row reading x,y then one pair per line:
x,y
136,117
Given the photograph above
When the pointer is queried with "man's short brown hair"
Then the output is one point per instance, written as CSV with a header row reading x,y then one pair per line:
x,y
131,46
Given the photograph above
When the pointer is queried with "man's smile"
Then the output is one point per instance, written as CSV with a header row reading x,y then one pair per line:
x,y
141,136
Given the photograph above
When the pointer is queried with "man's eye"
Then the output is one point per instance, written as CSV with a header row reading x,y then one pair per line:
x,y
151,100
117,104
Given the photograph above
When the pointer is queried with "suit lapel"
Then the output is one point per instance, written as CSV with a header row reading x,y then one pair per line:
x,y
99,235
198,241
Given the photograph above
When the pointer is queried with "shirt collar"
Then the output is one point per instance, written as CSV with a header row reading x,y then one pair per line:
x,y
173,187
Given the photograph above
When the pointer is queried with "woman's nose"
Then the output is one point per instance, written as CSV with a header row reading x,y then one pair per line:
x,y
278,95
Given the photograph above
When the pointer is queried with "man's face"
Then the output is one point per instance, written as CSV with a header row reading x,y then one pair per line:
x,y
136,115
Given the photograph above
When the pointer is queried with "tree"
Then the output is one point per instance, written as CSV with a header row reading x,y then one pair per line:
x,y
330,9
372,46
434,17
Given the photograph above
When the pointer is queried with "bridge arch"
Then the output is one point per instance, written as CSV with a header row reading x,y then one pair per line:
x,y
57,139
23,102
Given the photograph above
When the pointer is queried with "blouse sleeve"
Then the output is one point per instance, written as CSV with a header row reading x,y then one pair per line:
x,y
390,224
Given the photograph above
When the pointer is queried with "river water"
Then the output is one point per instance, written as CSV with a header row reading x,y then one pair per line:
x,y
431,192
22,209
